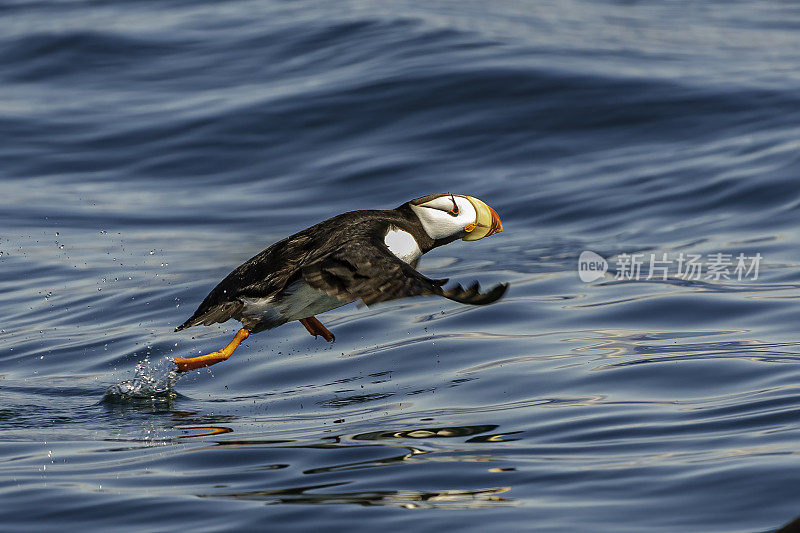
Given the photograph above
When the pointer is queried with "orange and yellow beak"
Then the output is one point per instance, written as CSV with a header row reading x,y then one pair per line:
x,y
487,221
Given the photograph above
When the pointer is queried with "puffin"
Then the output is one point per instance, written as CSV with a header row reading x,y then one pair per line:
x,y
368,256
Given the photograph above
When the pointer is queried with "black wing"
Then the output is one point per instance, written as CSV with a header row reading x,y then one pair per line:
x,y
364,269
345,256
271,271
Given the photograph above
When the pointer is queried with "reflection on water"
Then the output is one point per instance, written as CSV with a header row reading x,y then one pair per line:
x,y
207,431
425,433
386,445
443,499
384,461
343,401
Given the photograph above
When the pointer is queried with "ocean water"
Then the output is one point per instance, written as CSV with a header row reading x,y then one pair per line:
x,y
148,148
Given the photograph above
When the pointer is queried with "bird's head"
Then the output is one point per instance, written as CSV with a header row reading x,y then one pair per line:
x,y
447,217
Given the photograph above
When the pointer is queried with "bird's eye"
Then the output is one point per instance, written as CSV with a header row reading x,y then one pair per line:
x,y
453,212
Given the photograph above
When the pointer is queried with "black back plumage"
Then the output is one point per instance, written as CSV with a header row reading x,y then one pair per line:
x,y
345,257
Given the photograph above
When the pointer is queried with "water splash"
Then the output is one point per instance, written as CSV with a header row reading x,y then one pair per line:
x,y
152,381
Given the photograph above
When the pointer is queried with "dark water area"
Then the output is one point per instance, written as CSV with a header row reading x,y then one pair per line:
x,y
148,148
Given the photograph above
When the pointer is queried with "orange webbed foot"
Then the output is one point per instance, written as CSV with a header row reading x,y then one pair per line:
x,y
192,363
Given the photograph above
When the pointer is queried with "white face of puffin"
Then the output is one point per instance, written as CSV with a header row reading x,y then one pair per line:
x,y
446,215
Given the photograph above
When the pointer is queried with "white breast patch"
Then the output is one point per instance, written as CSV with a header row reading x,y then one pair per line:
x,y
402,244
298,300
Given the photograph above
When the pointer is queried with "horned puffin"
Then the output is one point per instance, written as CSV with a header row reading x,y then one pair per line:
x,y
368,255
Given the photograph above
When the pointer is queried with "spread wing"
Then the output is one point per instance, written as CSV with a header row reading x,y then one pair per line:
x,y
344,256
364,269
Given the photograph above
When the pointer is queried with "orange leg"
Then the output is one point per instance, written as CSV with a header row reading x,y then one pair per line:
x,y
315,327
184,365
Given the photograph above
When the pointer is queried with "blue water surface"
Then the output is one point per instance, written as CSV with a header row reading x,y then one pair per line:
x,y
148,148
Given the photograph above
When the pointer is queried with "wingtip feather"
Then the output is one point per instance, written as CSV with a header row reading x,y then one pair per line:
x,y
473,296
